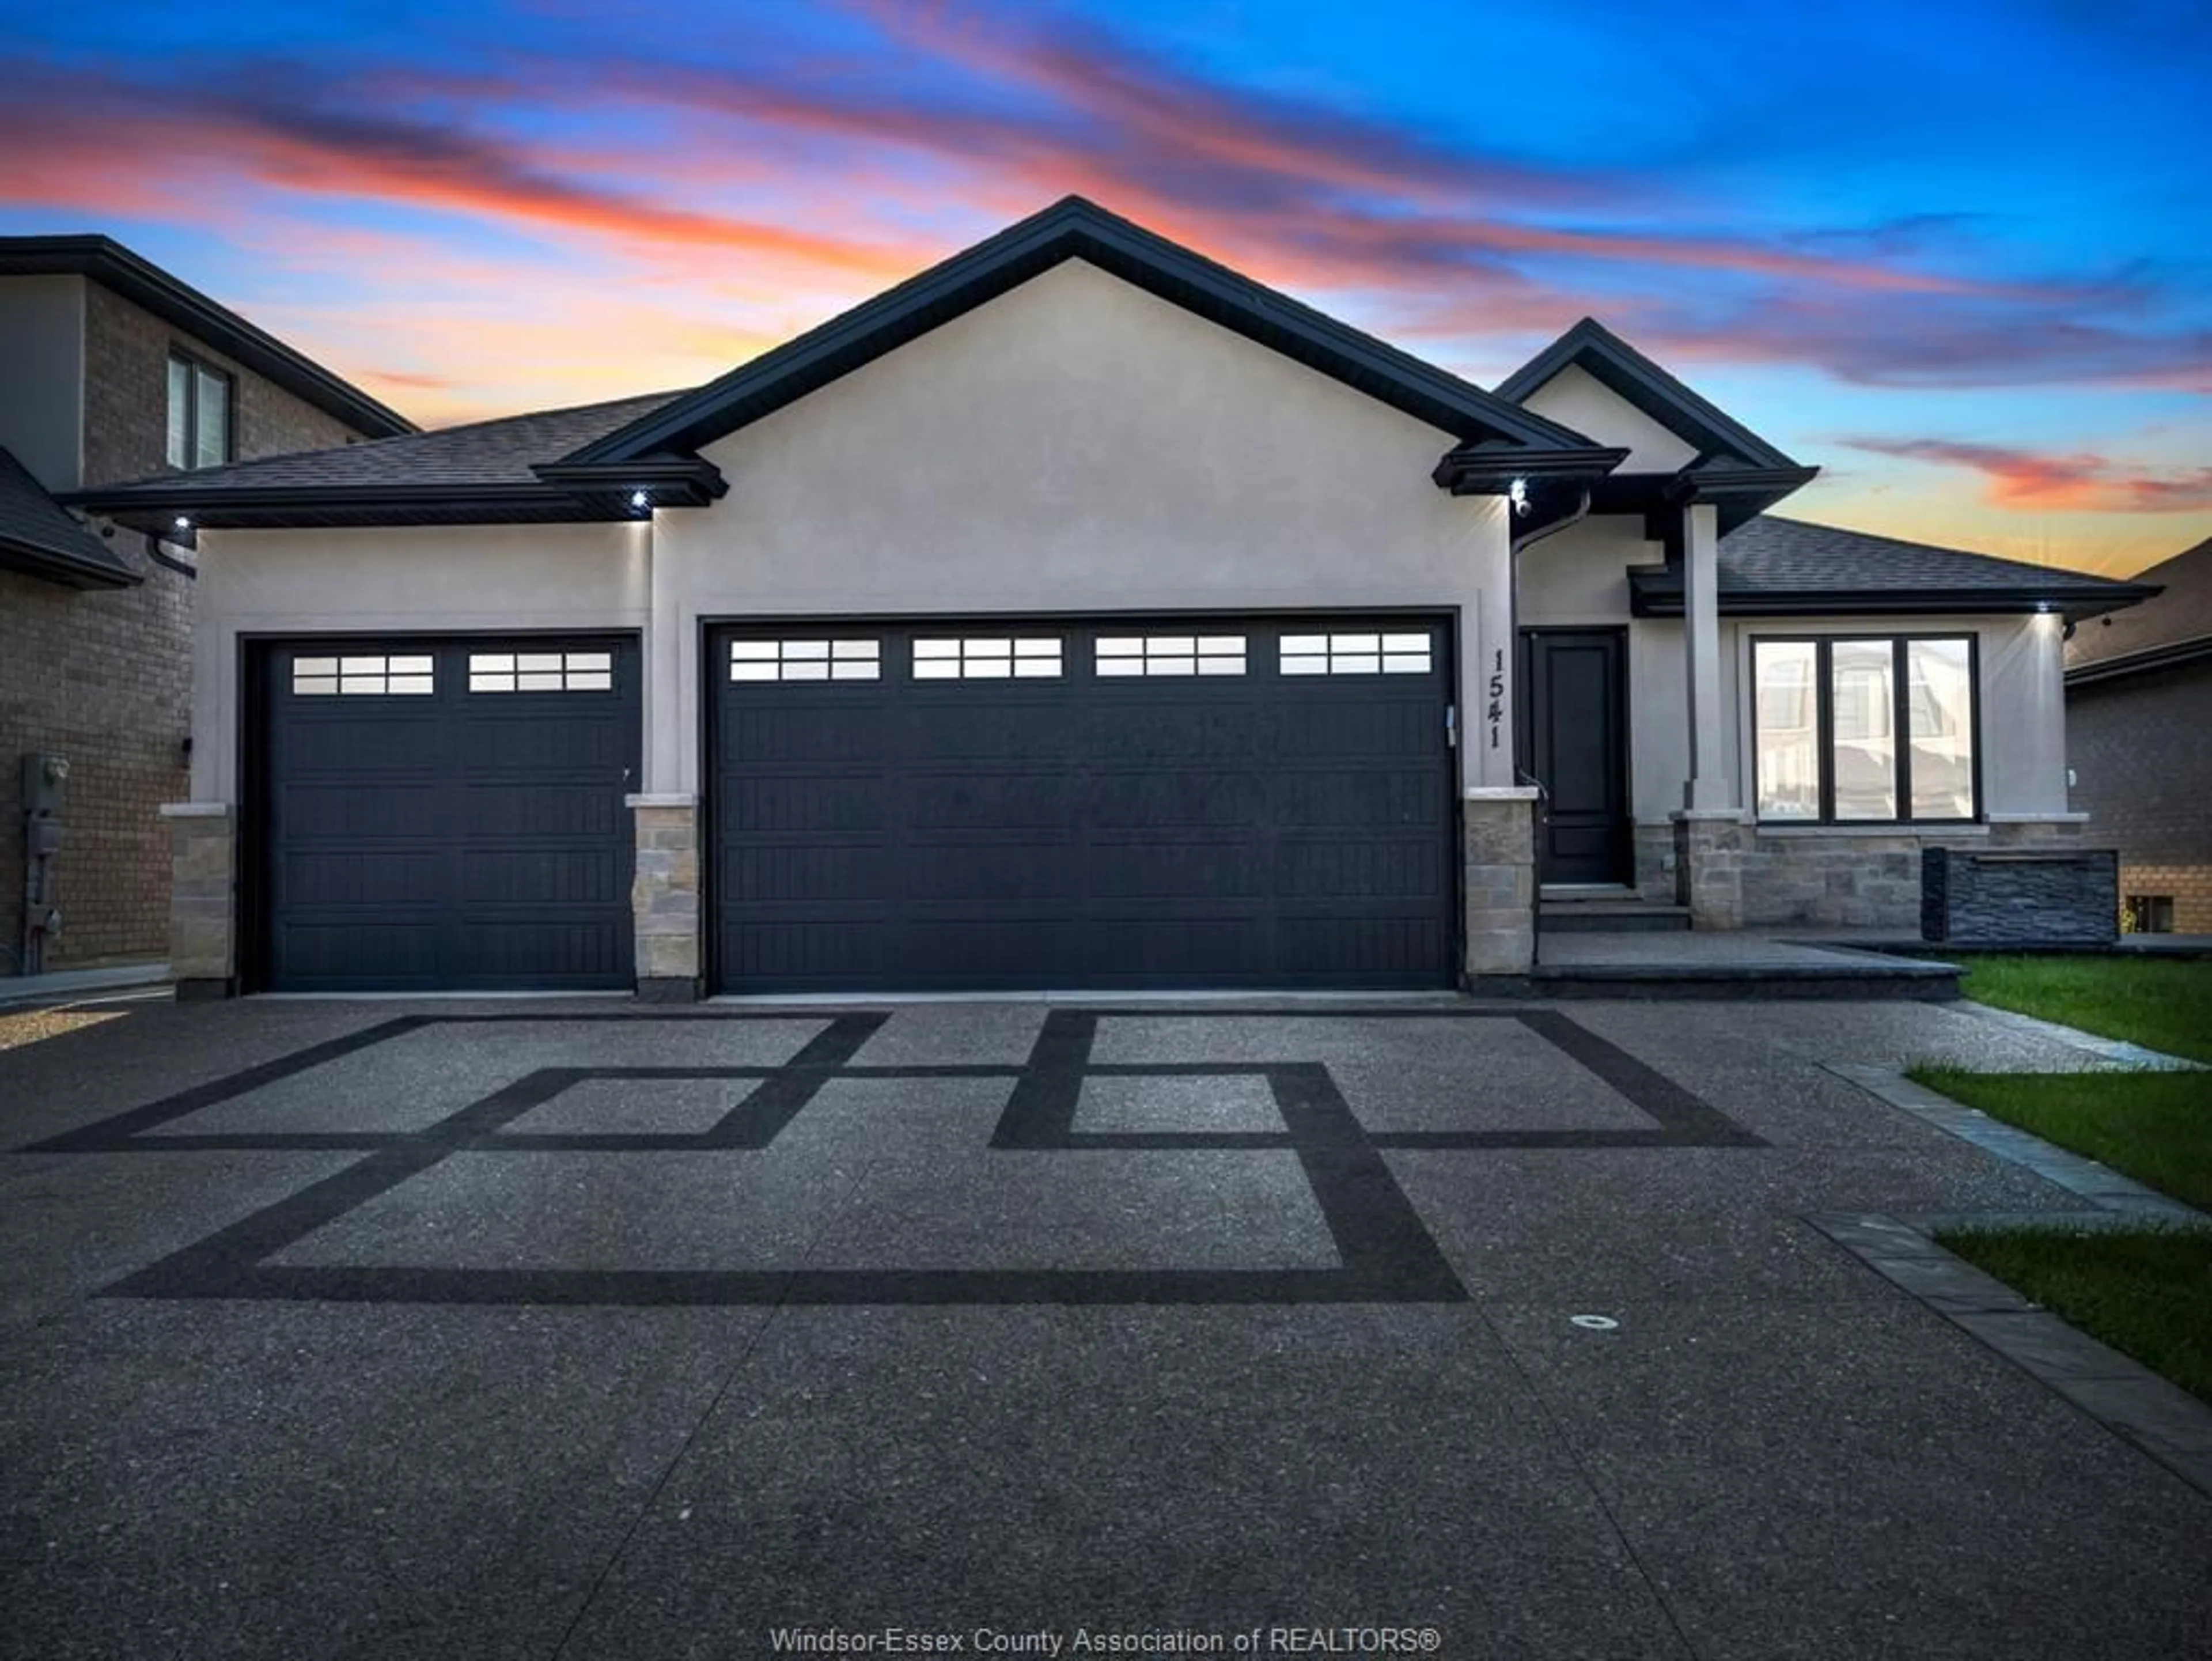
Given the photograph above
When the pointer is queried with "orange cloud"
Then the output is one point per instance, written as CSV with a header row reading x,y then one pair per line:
x,y
2024,480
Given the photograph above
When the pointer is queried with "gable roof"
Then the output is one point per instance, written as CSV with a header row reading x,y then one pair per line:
x,y
146,285
1075,229
37,537
454,475
1628,375
1775,567
2174,627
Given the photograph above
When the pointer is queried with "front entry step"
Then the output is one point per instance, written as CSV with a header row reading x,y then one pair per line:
x,y
1608,916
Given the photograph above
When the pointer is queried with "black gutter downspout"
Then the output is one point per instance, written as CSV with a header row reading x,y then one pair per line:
x,y
1513,547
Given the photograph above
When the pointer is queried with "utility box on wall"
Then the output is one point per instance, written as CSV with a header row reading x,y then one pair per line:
x,y
2022,899
46,801
45,786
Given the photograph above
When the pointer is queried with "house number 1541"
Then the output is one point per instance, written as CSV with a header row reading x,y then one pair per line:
x,y
1494,712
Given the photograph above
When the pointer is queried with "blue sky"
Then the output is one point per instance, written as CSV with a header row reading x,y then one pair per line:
x,y
1960,256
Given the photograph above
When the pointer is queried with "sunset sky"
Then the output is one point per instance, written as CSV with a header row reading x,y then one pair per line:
x,y
1959,256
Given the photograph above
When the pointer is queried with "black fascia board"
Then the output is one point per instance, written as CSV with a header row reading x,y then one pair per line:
x,y
673,481
1488,469
1656,592
1629,374
69,569
277,506
1074,228
1702,483
104,260
2173,656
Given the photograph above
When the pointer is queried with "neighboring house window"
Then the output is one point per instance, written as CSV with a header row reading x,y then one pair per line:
x,y
199,413
2150,914
1848,729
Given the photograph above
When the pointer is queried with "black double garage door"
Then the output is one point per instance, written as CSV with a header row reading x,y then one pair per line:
x,y
950,807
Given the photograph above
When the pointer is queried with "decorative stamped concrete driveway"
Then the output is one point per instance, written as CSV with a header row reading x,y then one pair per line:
x,y
570,1328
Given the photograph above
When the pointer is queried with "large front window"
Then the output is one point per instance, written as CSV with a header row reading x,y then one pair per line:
x,y
1855,730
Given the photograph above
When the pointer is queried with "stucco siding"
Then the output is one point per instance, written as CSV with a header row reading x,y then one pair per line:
x,y
448,581
1580,575
1574,398
1076,445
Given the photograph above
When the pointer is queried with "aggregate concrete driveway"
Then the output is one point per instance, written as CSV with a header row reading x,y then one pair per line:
x,y
573,1329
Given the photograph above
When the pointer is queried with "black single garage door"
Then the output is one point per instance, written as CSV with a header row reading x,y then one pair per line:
x,y
976,805
448,814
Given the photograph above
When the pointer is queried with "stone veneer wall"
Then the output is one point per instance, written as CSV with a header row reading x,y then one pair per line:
x,y
665,897
1500,833
203,899
1654,848
2058,896
1708,864
1858,880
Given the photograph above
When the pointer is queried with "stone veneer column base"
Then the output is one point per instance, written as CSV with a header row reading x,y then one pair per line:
x,y
1709,866
203,898
1500,865
663,897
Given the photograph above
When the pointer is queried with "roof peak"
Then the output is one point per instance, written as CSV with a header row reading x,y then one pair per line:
x,y
1071,227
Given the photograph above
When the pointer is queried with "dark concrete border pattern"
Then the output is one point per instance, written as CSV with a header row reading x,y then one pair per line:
x,y
1387,1253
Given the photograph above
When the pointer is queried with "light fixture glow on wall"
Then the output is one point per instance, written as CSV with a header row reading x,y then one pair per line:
x,y
639,500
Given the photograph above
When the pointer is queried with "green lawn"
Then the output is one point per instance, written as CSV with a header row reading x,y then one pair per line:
x,y
2154,1126
2147,1293
2163,1003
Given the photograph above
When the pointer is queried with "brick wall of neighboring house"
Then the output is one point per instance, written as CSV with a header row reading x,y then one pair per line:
x,y
126,358
103,676
99,676
2141,749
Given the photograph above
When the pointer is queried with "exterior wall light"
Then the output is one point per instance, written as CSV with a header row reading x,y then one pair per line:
x,y
183,523
639,500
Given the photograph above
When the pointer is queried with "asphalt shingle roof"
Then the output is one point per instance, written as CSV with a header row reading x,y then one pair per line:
x,y
1770,554
39,535
499,452
2179,617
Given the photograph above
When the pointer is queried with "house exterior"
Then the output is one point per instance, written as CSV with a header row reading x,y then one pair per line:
x,y
2139,742
111,369
1078,613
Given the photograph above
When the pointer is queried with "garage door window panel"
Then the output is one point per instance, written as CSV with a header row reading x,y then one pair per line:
x,y
1120,656
1358,653
360,675
541,671
988,657
805,660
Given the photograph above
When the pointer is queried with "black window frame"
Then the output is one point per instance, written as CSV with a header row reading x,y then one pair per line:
x,y
195,367
1824,694
2149,913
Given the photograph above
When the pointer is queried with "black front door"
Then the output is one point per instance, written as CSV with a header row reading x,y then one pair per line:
x,y
1577,750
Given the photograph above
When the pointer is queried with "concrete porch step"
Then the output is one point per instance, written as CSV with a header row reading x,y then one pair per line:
x,y
1576,915
1720,964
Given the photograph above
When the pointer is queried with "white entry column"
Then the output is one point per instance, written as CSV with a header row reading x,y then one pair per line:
x,y
1709,830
